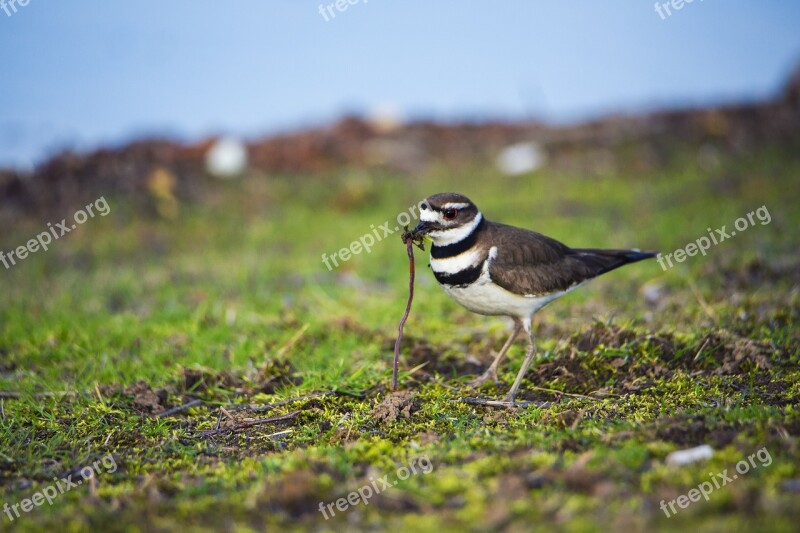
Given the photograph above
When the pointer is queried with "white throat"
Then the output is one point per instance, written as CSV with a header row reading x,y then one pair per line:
x,y
450,236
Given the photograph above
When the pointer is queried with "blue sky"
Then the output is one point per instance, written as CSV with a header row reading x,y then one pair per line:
x,y
86,73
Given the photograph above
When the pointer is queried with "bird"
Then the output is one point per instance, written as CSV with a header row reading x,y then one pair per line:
x,y
495,269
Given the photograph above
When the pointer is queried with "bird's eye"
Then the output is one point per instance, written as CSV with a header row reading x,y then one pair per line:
x,y
450,214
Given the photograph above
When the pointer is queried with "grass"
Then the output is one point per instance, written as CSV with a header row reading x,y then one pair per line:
x,y
229,303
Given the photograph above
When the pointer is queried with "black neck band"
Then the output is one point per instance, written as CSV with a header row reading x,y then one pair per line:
x,y
451,250
460,279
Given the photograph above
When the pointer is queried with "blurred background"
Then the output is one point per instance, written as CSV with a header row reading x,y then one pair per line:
x,y
82,76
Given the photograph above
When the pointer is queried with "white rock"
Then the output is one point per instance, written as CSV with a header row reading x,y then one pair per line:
x,y
227,158
690,455
521,158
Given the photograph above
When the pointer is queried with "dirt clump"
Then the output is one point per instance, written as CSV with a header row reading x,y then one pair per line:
x,y
395,405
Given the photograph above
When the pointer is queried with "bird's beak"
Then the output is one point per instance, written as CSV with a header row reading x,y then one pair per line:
x,y
422,228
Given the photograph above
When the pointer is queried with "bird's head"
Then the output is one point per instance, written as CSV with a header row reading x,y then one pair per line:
x,y
447,218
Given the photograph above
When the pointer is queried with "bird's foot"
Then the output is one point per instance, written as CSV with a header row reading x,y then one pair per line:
x,y
491,373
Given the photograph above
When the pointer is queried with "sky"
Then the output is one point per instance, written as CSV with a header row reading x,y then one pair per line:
x,y
80,74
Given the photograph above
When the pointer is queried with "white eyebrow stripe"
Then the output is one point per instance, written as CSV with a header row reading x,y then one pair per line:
x,y
455,205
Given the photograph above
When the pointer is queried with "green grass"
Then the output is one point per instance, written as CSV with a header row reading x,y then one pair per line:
x,y
230,303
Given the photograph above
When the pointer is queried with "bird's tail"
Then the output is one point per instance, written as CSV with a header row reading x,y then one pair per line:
x,y
602,261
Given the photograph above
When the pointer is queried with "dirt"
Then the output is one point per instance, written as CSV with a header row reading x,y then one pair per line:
x,y
395,405
265,379
145,399
602,335
298,492
721,352
688,431
568,370
201,380
440,359
754,274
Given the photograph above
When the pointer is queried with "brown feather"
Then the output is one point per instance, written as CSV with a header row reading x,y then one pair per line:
x,y
530,263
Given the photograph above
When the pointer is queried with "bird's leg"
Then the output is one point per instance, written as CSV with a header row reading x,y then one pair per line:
x,y
525,364
491,372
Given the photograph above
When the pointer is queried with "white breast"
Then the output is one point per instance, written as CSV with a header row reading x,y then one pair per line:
x,y
456,263
487,298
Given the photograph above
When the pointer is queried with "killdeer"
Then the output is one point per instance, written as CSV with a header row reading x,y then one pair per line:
x,y
499,270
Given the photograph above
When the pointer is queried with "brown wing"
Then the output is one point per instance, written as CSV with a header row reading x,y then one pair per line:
x,y
531,263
